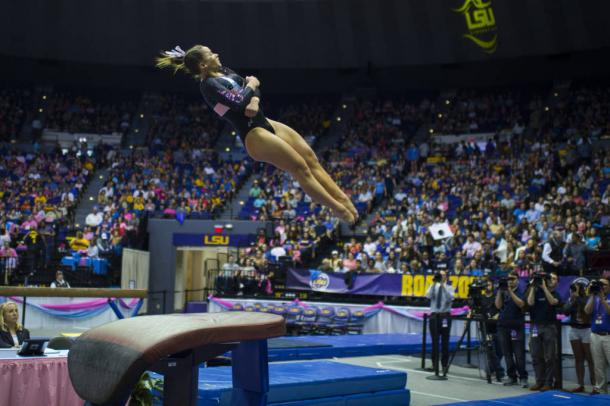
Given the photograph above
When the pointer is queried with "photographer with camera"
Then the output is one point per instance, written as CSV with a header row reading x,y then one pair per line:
x,y
511,329
598,306
543,302
580,334
490,312
441,297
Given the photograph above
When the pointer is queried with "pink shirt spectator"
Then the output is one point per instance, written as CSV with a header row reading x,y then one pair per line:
x,y
471,248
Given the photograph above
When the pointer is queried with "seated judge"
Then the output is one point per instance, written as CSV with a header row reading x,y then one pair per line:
x,y
12,332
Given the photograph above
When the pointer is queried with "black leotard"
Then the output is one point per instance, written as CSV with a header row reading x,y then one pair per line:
x,y
228,96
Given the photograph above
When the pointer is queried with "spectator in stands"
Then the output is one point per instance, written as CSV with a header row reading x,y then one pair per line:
x,y
59,281
79,243
12,333
8,261
574,252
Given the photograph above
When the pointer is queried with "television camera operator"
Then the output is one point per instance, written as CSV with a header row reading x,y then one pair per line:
x,y
441,297
598,306
490,312
510,302
543,303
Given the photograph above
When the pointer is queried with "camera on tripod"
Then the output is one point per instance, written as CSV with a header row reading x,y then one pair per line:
x,y
537,278
475,296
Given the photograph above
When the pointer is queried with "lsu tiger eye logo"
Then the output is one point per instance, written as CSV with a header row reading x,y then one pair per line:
x,y
318,281
481,24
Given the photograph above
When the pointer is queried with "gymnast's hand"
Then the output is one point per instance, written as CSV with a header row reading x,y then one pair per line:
x,y
252,108
253,82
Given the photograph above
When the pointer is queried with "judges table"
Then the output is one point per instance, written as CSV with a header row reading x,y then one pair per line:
x,y
36,380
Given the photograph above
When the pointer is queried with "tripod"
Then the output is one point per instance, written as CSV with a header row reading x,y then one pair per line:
x,y
485,345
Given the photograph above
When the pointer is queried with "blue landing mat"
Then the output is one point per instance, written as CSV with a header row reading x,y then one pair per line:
x,y
551,398
305,380
399,397
312,383
352,346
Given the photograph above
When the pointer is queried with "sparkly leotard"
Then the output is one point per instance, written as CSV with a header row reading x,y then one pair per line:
x,y
228,96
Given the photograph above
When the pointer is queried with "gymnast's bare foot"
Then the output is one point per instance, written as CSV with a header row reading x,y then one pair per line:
x,y
346,216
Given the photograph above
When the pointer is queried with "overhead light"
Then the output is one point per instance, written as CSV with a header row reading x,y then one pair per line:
x,y
344,106
232,132
546,108
44,97
440,115
447,101
338,118
241,202
40,110
431,131
141,115
91,198
228,149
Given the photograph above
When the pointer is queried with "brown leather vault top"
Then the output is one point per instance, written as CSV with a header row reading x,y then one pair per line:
x,y
106,361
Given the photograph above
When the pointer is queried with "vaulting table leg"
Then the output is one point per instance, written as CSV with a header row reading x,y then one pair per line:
x,y
250,373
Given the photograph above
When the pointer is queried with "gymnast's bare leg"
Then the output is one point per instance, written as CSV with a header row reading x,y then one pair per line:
x,y
262,145
297,142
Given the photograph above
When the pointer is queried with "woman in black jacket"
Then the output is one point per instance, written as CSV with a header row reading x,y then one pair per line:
x,y
12,332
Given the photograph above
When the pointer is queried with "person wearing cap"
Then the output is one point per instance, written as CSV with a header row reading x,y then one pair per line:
x,y
335,261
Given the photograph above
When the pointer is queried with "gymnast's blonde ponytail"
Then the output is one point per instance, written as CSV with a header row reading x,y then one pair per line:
x,y
177,60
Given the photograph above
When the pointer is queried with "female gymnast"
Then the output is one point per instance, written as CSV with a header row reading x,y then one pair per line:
x,y
237,100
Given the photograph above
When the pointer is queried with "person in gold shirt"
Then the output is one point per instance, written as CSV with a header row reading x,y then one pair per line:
x,y
79,243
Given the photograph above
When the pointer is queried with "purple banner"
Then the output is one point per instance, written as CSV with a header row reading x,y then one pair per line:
x,y
384,284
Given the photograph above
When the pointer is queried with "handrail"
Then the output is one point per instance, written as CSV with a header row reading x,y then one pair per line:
x,y
72,292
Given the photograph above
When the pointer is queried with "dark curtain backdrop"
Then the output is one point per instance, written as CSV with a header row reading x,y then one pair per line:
x,y
304,34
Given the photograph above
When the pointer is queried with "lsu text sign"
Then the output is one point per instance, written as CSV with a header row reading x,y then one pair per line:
x,y
212,240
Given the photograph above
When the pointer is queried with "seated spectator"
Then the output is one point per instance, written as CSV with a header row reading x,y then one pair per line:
x,y
12,332
79,243
59,281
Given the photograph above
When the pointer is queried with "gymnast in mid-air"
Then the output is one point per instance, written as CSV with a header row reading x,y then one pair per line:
x,y
237,100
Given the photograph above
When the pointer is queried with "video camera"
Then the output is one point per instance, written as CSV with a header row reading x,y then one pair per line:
x,y
595,287
437,277
475,296
537,278
503,283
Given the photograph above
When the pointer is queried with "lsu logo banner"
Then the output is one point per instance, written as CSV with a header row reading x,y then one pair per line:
x,y
481,24
318,281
